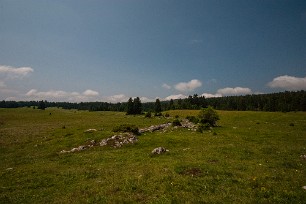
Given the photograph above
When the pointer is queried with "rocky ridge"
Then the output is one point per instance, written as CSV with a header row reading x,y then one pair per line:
x,y
119,140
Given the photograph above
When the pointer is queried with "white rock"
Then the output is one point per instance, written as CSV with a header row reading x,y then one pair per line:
x,y
159,150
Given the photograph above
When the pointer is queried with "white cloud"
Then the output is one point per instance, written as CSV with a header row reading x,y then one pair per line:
x,y
234,91
175,97
89,92
188,86
145,99
117,98
58,95
166,86
208,95
120,98
288,82
13,72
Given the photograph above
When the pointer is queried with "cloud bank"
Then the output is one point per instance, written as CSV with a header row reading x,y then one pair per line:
x,y
234,91
209,95
178,96
188,86
117,98
13,72
58,95
288,82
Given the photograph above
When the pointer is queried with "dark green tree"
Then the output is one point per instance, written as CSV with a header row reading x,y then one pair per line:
x,y
137,106
171,105
41,105
157,107
130,107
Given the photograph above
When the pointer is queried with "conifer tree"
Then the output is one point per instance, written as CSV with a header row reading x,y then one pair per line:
x,y
137,106
158,108
41,105
130,107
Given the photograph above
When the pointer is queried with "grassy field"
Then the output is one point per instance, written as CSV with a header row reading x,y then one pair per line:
x,y
253,157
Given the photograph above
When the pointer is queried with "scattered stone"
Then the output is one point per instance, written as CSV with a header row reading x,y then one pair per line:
x,y
8,169
190,125
90,131
76,149
119,140
303,157
154,128
304,187
159,150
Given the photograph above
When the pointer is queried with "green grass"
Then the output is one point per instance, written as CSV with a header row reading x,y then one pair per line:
x,y
253,157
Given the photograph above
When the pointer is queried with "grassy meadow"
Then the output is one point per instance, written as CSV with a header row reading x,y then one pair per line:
x,y
253,157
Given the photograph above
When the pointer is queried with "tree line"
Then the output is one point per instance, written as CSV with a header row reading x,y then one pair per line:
x,y
283,101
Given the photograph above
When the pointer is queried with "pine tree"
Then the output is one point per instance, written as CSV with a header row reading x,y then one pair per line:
x,y
130,107
137,106
41,105
158,108
171,105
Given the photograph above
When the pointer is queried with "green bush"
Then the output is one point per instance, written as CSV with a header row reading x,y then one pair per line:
x,y
158,114
202,127
148,115
209,115
193,119
176,122
126,128
167,115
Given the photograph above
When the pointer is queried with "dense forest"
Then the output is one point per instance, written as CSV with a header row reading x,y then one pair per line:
x,y
283,101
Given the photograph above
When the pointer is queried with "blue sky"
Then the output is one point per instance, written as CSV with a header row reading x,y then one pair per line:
x,y
60,50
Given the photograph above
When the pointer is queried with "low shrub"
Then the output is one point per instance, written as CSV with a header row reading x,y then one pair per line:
x,y
176,122
202,127
209,115
148,115
126,128
193,119
158,114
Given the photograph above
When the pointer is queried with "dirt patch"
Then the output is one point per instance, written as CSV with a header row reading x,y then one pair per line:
x,y
191,171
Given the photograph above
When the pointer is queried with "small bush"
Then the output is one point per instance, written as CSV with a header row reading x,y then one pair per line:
x,y
291,124
176,122
177,116
167,115
202,127
209,115
193,119
158,114
148,115
126,128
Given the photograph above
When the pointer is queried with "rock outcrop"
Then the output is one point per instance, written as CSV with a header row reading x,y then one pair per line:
x,y
119,140
154,128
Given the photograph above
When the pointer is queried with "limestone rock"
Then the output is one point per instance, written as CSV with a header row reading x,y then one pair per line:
x,y
159,150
